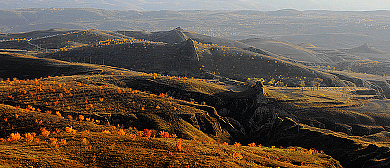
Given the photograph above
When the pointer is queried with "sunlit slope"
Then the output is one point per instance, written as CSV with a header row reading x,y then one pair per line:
x,y
179,35
108,96
351,127
243,64
54,39
283,49
193,59
89,119
233,63
55,141
35,34
172,36
99,97
196,56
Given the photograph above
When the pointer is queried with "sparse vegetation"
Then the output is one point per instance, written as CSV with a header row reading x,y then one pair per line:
x,y
176,115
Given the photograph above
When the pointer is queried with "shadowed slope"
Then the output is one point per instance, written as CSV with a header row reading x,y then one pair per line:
x,y
27,67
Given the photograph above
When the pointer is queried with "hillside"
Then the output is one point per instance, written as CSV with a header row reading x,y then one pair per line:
x,y
97,120
364,49
179,35
184,56
167,51
368,52
137,55
24,69
106,98
243,64
283,49
53,39
201,91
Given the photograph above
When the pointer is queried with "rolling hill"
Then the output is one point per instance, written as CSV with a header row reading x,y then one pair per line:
x,y
272,60
127,86
283,49
187,54
103,95
97,120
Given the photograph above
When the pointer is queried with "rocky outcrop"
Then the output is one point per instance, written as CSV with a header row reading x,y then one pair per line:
x,y
249,116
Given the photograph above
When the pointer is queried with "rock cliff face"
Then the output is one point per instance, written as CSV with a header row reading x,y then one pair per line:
x,y
254,118
381,87
249,116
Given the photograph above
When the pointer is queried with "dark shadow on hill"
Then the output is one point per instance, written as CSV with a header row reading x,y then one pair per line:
x,y
26,67
170,59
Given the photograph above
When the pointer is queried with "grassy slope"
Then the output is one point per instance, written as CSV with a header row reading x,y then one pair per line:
x,y
125,103
94,96
136,55
337,105
242,64
113,150
284,49
330,119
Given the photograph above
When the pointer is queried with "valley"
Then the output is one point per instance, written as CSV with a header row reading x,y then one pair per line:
x,y
177,98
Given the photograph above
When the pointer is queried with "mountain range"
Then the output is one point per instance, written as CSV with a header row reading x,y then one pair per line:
x,y
320,28
198,5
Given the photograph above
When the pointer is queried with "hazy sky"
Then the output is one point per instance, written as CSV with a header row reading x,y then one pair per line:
x,y
264,5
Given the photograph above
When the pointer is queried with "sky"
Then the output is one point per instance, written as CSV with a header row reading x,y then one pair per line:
x,y
145,5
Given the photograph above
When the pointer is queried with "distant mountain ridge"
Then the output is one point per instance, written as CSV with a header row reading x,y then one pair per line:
x,y
308,26
197,5
178,35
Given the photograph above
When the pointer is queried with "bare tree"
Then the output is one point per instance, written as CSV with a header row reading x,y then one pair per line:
x,y
302,84
317,82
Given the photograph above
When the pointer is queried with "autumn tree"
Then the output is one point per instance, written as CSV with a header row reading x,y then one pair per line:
x,y
302,84
317,82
